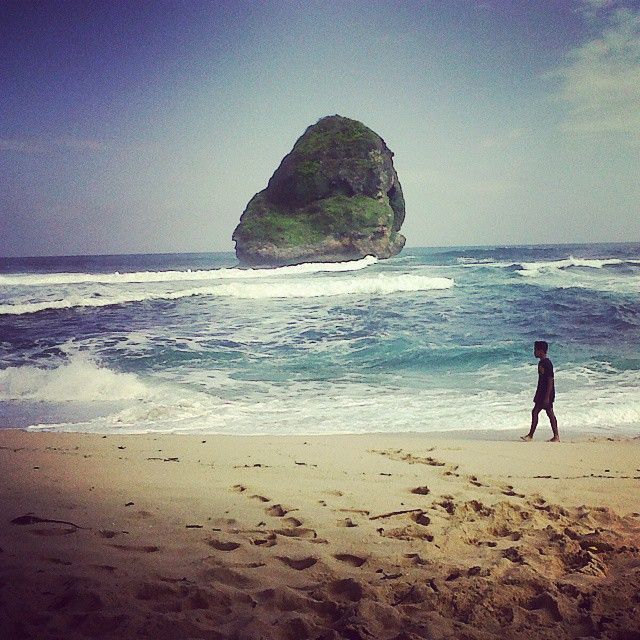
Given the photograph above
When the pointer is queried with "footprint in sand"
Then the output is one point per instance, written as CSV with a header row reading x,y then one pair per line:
x,y
221,545
77,601
269,541
52,531
65,563
346,522
421,518
448,505
350,559
138,548
60,530
277,511
508,491
299,564
297,532
513,554
421,491
229,577
293,522
260,498
155,591
108,533
415,558
347,589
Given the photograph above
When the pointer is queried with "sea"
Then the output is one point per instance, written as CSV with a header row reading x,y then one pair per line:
x,y
432,340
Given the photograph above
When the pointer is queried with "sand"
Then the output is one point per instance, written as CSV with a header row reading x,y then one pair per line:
x,y
371,537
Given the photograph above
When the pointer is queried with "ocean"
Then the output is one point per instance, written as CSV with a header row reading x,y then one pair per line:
x,y
435,339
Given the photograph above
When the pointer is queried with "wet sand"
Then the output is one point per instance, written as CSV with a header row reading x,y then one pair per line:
x,y
385,537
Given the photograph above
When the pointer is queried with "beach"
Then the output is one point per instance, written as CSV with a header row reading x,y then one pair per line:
x,y
347,536
325,451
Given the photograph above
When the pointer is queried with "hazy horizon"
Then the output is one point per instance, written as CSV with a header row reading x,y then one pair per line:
x,y
147,128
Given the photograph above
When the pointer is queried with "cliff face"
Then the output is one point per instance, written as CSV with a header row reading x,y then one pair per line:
x,y
335,196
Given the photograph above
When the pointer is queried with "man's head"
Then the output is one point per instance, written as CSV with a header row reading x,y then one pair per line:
x,y
540,348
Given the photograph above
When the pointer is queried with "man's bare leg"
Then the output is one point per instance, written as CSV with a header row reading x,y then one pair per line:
x,y
534,423
554,426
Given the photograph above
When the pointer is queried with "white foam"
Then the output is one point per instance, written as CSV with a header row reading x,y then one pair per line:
x,y
467,260
43,279
305,408
372,285
533,269
306,288
77,380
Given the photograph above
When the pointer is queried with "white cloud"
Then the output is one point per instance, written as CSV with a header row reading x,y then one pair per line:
x,y
596,4
600,82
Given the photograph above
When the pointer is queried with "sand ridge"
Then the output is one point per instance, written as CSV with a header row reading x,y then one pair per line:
x,y
339,537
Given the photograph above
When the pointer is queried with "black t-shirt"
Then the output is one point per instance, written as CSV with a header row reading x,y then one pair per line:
x,y
545,378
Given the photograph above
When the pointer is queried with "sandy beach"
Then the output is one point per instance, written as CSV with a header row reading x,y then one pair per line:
x,y
336,537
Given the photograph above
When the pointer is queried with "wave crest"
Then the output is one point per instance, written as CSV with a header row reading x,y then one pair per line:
x,y
533,269
310,288
46,279
77,380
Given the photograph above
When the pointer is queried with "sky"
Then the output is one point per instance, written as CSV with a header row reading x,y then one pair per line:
x,y
146,126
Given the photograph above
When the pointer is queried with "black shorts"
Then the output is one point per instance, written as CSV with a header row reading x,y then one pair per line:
x,y
541,407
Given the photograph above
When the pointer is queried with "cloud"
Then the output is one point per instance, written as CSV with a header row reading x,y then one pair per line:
x,y
34,146
600,80
589,6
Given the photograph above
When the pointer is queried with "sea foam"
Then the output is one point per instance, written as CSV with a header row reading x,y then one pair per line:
x,y
533,269
306,288
48,279
77,380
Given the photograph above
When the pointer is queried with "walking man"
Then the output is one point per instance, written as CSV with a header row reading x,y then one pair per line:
x,y
545,392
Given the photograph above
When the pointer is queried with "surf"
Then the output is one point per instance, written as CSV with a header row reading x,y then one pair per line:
x,y
380,284
188,275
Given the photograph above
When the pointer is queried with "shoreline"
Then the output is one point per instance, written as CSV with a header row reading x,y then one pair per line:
x,y
492,435
351,536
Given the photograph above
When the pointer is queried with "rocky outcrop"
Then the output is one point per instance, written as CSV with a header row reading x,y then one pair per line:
x,y
335,196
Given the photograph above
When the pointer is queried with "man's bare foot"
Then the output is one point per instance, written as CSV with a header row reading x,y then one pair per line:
x,y
554,439
526,438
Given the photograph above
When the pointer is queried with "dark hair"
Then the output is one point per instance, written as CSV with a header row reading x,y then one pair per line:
x,y
541,345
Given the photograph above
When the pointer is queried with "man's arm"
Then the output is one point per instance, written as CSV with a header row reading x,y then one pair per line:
x,y
547,396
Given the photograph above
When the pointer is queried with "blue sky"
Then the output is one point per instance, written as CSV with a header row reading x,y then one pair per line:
x,y
147,126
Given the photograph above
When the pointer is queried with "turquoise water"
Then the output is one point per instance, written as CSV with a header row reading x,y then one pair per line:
x,y
431,340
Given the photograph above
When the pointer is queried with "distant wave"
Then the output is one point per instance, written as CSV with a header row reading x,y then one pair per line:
x,y
44,279
306,288
533,269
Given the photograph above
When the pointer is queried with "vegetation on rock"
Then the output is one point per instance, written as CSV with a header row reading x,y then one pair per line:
x,y
335,196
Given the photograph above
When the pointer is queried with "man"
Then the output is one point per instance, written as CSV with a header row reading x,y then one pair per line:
x,y
545,392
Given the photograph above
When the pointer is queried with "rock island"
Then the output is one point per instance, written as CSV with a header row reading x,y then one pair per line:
x,y
336,196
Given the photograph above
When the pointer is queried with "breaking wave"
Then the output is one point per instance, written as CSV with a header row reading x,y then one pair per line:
x,y
46,279
372,285
533,269
77,380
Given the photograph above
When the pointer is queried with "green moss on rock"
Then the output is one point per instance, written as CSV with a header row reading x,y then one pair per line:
x,y
336,190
